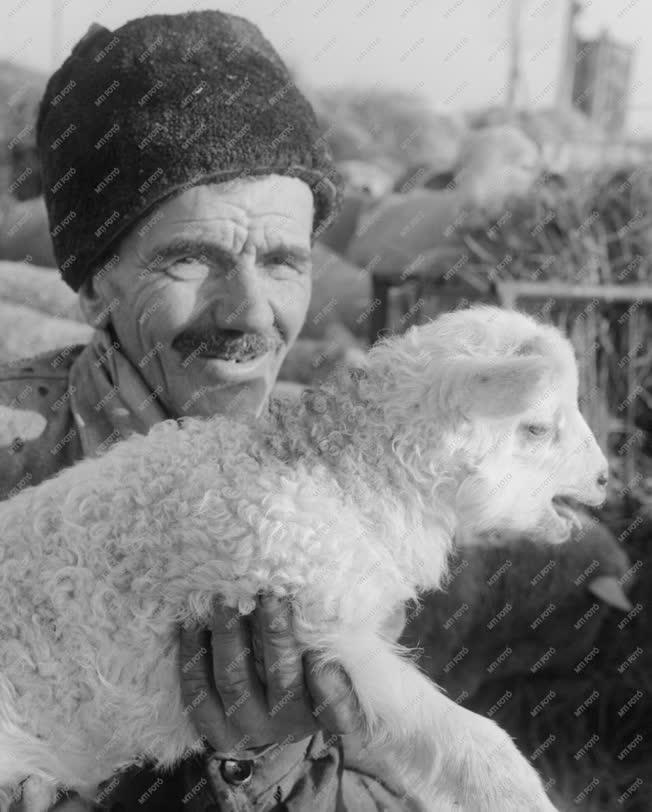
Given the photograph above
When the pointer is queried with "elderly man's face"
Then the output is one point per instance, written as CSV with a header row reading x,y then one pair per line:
x,y
213,288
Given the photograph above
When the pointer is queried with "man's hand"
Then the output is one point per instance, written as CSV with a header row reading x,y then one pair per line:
x,y
233,709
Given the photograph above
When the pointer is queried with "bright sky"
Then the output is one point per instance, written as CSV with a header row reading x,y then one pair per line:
x,y
453,51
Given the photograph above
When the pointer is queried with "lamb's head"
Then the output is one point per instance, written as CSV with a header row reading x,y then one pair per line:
x,y
484,402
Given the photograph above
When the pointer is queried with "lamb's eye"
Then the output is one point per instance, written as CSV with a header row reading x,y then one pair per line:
x,y
536,429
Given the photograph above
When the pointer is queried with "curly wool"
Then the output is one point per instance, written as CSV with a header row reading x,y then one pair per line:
x,y
111,555
344,501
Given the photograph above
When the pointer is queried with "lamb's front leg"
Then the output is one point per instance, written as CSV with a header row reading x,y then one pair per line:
x,y
481,769
447,756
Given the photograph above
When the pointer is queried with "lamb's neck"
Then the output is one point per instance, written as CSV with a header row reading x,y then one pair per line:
x,y
333,425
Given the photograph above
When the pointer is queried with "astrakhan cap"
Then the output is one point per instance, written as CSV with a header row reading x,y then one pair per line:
x,y
164,103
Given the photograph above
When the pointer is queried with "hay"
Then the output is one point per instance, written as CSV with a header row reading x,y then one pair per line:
x,y
586,229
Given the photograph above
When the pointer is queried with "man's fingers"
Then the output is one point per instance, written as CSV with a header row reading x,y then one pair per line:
x,y
234,669
287,698
283,666
197,691
334,702
229,705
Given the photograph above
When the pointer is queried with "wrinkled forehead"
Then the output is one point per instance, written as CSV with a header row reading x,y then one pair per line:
x,y
266,209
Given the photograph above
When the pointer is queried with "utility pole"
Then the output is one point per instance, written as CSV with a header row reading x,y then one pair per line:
x,y
515,73
57,27
564,99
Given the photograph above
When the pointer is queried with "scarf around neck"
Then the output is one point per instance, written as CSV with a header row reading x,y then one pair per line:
x,y
110,399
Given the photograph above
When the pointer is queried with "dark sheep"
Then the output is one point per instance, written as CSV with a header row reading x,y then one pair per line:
x,y
469,633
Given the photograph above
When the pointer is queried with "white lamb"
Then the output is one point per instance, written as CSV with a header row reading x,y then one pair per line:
x,y
347,501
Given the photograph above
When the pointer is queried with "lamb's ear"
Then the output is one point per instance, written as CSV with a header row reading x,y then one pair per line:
x,y
500,388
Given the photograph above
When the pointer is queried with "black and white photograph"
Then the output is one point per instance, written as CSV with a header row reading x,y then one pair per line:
x,y
325,406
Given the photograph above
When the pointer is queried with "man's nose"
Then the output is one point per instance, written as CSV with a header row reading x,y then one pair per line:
x,y
602,479
244,303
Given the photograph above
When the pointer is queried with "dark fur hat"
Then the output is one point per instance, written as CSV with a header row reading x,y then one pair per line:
x,y
164,103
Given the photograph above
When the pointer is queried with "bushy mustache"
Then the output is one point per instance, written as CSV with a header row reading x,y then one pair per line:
x,y
230,345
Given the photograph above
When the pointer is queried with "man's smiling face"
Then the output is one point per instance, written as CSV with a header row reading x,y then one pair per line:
x,y
212,288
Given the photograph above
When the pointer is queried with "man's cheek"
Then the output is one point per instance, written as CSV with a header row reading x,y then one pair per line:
x,y
164,320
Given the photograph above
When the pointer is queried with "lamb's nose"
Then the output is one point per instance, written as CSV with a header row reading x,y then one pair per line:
x,y
603,478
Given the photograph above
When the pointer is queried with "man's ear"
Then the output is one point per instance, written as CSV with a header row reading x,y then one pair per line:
x,y
92,304
501,388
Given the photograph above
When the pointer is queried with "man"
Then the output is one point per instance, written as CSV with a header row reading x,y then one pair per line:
x,y
185,181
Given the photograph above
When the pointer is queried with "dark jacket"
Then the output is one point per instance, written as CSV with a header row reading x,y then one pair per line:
x,y
319,774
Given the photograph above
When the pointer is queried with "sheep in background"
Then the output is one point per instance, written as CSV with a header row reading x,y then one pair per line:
x,y
496,163
310,361
366,177
346,501
492,161
593,712
333,330
39,288
519,606
339,234
27,332
341,293
25,232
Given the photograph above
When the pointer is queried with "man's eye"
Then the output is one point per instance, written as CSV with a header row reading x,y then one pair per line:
x,y
280,259
285,259
189,268
537,429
